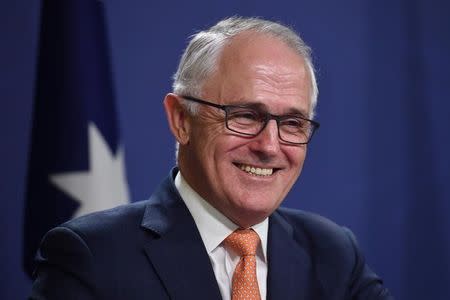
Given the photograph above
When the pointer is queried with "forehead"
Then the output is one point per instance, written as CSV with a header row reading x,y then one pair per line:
x,y
258,68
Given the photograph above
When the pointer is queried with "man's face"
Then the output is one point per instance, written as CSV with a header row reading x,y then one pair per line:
x,y
254,69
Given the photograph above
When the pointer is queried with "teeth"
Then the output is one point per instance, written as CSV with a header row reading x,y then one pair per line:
x,y
256,171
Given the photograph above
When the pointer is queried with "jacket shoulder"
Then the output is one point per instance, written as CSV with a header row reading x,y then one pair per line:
x,y
328,242
87,257
337,259
112,224
317,226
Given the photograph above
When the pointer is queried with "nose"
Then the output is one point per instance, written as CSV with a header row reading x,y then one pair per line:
x,y
266,143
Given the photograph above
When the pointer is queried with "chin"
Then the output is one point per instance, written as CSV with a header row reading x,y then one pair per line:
x,y
250,219
248,215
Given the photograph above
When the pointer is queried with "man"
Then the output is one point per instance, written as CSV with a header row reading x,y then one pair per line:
x,y
241,112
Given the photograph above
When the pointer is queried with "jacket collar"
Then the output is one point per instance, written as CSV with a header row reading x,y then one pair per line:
x,y
291,273
176,251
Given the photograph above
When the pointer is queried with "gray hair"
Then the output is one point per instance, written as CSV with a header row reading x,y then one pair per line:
x,y
201,56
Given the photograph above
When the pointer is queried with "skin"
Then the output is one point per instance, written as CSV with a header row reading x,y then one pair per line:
x,y
253,68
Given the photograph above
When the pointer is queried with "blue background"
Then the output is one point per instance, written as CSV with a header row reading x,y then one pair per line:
x,y
379,164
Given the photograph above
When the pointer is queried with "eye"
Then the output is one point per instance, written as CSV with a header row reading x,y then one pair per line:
x,y
244,116
293,124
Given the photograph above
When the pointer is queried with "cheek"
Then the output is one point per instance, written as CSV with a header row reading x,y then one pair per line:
x,y
203,138
296,157
227,144
213,148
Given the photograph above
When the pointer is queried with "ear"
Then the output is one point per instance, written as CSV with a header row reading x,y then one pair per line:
x,y
178,118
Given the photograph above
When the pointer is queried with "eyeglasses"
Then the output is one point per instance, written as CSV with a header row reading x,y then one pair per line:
x,y
249,121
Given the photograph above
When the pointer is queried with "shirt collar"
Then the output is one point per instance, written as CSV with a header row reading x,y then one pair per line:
x,y
213,226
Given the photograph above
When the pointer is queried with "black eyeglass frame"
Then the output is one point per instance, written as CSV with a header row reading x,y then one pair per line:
x,y
267,118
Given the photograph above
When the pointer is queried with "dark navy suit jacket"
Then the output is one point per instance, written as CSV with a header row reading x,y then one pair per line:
x,y
153,250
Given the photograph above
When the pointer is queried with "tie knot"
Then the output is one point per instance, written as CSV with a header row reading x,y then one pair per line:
x,y
243,242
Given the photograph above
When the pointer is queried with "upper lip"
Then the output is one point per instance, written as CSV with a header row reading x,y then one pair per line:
x,y
257,166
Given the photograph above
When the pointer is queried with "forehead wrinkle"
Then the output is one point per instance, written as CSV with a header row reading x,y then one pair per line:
x,y
280,85
263,107
280,89
279,72
281,79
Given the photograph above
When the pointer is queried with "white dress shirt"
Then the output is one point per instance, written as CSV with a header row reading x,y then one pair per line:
x,y
214,227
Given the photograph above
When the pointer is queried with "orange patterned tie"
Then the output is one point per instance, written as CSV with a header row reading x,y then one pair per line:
x,y
245,284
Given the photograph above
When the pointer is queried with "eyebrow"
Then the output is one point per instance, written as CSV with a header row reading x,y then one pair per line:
x,y
263,107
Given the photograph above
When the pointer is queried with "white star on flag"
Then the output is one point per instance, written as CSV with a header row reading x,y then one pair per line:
x,y
101,187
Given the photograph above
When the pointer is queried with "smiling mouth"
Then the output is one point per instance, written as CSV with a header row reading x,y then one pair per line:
x,y
257,171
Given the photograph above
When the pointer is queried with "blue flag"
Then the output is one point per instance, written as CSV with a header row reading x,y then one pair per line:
x,y
76,163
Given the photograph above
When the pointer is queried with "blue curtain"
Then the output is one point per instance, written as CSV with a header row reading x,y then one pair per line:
x,y
408,129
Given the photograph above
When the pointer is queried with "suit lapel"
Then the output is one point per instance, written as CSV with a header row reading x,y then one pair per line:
x,y
290,268
177,252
